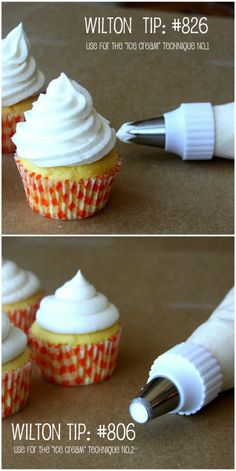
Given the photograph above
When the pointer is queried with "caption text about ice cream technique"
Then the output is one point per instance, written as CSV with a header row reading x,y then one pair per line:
x,y
75,433
153,25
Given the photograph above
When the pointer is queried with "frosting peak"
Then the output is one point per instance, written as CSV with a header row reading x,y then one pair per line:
x,y
20,76
17,284
76,308
63,128
15,45
77,289
14,340
72,89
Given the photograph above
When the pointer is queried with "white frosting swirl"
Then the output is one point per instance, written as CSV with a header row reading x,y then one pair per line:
x,y
63,128
17,284
76,308
21,78
14,340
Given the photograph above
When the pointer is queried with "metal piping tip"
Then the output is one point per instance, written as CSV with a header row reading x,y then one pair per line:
x,y
158,397
150,132
124,133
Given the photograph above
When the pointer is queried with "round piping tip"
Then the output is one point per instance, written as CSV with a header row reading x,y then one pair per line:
x,y
140,410
159,396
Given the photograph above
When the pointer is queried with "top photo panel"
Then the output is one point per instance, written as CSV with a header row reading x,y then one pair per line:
x,y
117,118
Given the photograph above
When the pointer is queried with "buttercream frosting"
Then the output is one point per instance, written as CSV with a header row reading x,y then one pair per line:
x,y
217,336
17,284
14,340
76,308
63,128
21,77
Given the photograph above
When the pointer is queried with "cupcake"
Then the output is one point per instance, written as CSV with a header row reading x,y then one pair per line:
x,y
21,295
16,368
76,335
65,153
21,81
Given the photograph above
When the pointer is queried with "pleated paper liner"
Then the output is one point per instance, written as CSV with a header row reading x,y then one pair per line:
x,y
23,317
15,389
9,122
69,365
68,200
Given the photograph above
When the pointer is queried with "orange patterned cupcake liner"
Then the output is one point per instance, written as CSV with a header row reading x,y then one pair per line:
x,y
69,365
9,122
24,317
15,389
67,200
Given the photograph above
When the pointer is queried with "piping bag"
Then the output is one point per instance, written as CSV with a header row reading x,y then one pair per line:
x,y
191,374
194,131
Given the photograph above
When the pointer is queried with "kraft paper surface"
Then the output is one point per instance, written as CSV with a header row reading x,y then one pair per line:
x,y
164,288
156,192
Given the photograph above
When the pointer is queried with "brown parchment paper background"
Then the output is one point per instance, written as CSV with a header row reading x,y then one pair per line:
x,y
156,192
164,288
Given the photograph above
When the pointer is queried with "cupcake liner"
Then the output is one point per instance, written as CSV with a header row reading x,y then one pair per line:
x,y
67,200
9,122
15,389
76,365
24,317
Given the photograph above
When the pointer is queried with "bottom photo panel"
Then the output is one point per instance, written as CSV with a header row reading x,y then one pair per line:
x,y
117,352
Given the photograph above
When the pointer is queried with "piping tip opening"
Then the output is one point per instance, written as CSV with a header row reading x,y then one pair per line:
x,y
140,410
123,133
150,132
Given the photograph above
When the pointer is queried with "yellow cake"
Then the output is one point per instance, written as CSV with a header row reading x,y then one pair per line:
x,y
17,362
35,298
73,339
76,172
20,107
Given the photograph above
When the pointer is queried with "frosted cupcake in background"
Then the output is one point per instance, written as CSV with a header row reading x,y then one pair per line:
x,y
65,153
16,368
21,295
21,82
76,335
